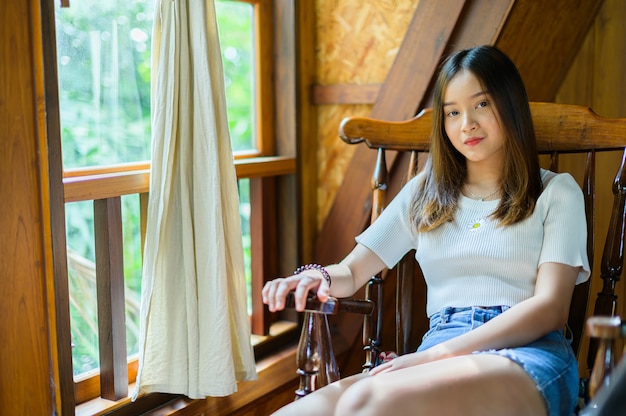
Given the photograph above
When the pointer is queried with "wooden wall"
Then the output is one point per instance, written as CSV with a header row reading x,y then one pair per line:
x,y
355,46
27,375
597,79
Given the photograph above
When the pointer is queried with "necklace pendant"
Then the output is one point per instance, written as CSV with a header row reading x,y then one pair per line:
x,y
480,198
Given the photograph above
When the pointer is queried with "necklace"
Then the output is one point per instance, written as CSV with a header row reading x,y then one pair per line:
x,y
481,198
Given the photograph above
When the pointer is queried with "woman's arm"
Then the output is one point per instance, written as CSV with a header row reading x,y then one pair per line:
x,y
391,236
346,277
547,310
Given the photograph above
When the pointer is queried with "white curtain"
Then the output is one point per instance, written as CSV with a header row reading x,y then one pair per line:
x,y
195,330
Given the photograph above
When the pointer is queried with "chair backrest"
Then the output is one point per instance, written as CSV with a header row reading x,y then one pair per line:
x,y
560,129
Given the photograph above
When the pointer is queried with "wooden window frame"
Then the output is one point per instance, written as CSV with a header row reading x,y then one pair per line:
x,y
106,184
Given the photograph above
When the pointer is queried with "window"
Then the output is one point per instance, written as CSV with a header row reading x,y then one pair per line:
x,y
103,56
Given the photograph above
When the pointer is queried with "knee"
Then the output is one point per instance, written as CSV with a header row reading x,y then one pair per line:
x,y
361,399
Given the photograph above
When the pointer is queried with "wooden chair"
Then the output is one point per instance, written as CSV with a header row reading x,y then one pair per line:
x,y
606,330
560,129
608,380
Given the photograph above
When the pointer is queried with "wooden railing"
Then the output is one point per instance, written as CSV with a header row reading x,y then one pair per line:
x,y
105,186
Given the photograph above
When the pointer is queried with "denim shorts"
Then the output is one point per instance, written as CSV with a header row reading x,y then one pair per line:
x,y
550,360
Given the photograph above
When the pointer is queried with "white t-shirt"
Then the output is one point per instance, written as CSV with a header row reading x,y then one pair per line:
x,y
472,261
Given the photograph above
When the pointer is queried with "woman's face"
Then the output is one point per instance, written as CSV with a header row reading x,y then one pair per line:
x,y
472,122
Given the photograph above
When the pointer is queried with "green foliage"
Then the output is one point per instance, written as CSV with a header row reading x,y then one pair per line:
x,y
103,52
235,30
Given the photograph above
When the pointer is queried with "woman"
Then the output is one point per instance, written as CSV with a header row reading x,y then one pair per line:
x,y
502,244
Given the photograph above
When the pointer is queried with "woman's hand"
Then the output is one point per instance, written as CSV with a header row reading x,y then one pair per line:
x,y
349,275
275,291
404,361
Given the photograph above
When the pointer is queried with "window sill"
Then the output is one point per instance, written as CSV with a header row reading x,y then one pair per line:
x,y
272,373
274,369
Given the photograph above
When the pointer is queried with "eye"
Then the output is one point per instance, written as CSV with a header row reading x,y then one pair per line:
x,y
482,104
452,113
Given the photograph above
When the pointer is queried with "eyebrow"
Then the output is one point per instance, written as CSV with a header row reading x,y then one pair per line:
x,y
478,94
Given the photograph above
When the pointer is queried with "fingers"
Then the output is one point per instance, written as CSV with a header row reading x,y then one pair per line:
x,y
306,285
323,291
382,368
403,361
269,294
275,291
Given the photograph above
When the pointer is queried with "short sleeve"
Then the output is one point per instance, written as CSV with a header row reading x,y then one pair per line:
x,y
391,235
565,226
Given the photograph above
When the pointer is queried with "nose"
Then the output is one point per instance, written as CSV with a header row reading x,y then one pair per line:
x,y
469,123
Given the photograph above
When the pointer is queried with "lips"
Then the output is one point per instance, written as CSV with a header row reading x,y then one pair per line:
x,y
472,141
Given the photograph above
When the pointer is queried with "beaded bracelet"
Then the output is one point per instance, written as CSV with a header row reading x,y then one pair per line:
x,y
314,266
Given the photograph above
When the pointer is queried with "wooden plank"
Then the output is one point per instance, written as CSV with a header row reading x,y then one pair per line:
x,y
87,386
114,182
111,305
306,128
265,166
104,169
609,87
577,86
416,63
246,165
89,188
263,234
345,94
25,353
542,38
125,407
61,338
264,73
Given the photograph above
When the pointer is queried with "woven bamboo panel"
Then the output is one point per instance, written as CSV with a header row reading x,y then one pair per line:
x,y
357,42
333,155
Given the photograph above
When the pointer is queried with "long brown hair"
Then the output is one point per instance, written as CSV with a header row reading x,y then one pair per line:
x,y
435,201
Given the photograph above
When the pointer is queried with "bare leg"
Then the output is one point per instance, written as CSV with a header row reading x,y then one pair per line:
x,y
320,402
469,385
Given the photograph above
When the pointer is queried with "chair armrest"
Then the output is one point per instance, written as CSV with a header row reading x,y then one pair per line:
x,y
332,305
610,400
361,306
606,327
606,330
